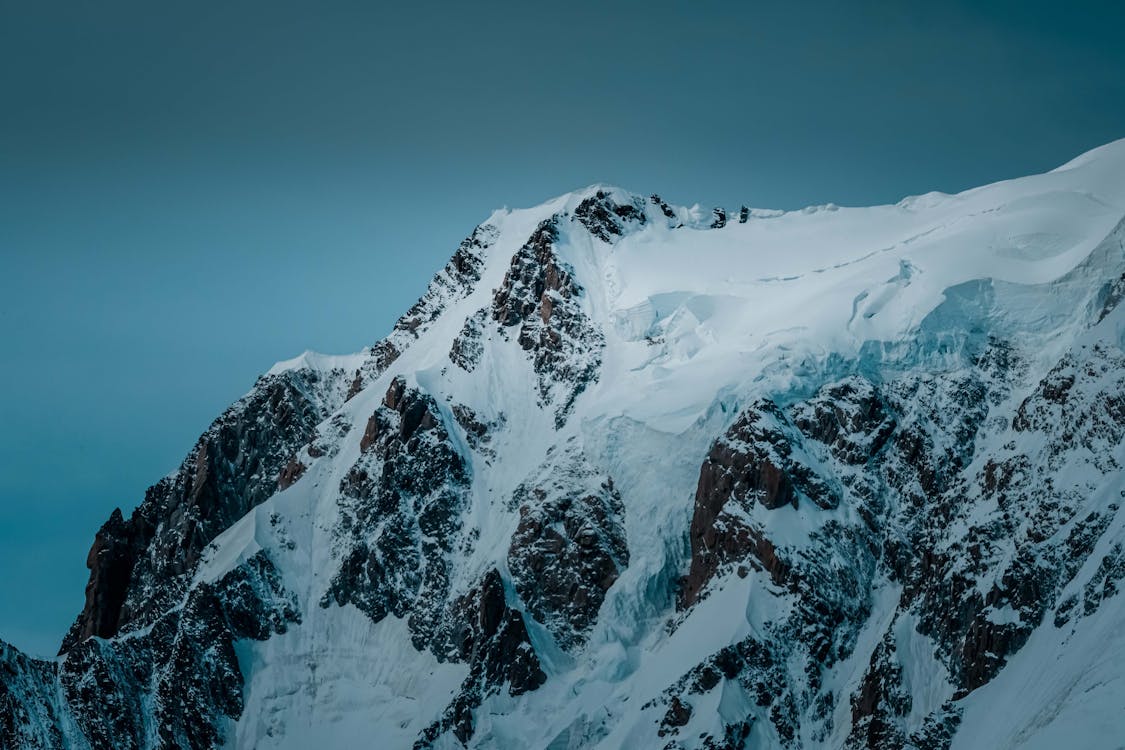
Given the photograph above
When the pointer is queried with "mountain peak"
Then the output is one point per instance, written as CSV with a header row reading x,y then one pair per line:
x,y
635,475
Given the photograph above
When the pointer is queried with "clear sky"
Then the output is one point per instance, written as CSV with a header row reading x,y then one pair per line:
x,y
190,191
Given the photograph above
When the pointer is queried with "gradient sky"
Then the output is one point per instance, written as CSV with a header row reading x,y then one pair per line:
x,y
192,191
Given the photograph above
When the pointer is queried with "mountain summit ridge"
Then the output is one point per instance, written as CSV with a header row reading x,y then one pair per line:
x,y
638,475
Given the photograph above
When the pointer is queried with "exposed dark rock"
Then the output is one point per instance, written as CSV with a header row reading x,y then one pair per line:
x,y
1106,580
607,219
759,461
678,715
467,348
881,702
734,737
139,568
290,473
541,296
454,281
475,430
569,547
1011,546
381,356
186,660
535,269
402,504
937,730
483,631
902,455
478,434
849,418
110,562
665,209
752,666
30,714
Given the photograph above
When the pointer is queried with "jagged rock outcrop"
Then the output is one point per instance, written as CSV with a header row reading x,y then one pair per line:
x,y
139,568
762,461
31,711
482,630
541,296
467,350
569,547
401,506
176,684
607,219
975,583
881,702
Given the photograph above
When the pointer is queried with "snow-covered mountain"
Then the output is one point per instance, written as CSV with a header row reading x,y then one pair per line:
x,y
633,475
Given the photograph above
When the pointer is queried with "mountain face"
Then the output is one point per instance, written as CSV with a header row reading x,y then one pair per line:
x,y
634,475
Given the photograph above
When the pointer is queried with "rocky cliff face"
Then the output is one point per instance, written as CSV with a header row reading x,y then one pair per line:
x,y
632,475
139,568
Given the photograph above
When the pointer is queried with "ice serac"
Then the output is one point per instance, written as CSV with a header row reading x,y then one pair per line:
x,y
638,475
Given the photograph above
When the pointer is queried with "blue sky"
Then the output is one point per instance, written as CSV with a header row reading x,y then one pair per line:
x,y
192,191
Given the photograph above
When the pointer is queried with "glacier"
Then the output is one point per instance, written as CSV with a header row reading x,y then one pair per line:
x,y
635,475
